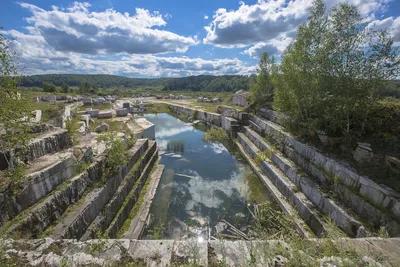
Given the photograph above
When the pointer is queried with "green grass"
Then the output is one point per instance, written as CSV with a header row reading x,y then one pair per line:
x,y
99,107
157,108
138,203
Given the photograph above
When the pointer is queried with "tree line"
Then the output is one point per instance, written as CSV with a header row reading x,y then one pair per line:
x,y
225,83
50,82
96,80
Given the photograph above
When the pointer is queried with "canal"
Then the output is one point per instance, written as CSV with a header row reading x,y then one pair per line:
x,y
203,183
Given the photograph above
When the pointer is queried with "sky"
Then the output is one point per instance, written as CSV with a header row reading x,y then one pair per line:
x,y
162,38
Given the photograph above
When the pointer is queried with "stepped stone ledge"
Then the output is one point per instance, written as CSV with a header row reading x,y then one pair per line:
x,y
380,195
343,219
105,218
80,217
49,142
305,208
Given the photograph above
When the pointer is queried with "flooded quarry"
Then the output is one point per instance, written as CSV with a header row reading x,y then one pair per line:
x,y
186,186
204,183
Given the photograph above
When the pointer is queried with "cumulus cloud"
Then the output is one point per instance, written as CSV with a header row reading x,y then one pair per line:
x,y
269,24
212,194
56,42
77,29
205,17
37,57
391,23
251,24
274,47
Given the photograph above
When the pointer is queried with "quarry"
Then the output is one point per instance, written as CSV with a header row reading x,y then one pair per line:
x,y
134,181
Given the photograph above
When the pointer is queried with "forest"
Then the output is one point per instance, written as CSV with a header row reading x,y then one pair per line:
x,y
226,83
96,80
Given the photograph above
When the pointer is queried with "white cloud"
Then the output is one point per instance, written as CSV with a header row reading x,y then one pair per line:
x,y
275,47
391,23
218,148
205,17
77,40
77,29
268,25
38,57
203,191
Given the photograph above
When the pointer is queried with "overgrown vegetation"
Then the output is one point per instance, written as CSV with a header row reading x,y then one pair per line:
x,y
116,154
13,111
225,83
215,134
262,90
331,82
270,223
330,76
157,108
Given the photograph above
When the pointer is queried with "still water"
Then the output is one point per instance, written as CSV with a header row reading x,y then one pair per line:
x,y
203,183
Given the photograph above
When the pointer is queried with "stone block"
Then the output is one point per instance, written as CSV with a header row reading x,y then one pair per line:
x,y
102,127
105,115
363,153
122,112
87,101
93,112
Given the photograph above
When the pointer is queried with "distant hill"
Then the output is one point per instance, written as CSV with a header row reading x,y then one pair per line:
x,y
226,83
98,80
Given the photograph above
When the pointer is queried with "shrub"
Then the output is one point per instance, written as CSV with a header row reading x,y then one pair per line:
x,y
215,134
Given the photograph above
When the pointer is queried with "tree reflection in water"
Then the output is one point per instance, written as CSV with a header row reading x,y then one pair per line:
x,y
176,146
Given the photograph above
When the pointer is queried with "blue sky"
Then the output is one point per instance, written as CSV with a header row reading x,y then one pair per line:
x,y
159,38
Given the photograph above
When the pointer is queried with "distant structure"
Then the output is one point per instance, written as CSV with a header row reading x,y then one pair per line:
x,y
241,98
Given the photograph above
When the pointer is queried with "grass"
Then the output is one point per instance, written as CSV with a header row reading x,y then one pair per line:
x,y
215,134
99,107
157,108
133,213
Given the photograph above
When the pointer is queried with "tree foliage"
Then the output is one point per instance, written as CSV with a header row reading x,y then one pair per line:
x,y
331,75
225,83
98,80
49,87
85,88
13,108
65,88
262,90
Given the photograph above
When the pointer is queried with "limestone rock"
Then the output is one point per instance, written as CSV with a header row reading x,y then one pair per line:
x,y
395,162
102,127
122,112
363,153
280,261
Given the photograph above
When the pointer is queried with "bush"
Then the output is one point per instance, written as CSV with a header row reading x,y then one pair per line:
x,y
215,134
49,87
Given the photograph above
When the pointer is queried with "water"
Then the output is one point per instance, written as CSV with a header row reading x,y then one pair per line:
x,y
203,182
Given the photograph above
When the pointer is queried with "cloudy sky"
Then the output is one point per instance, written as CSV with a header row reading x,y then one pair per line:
x,y
161,38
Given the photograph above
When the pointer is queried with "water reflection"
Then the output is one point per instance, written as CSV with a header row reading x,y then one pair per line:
x,y
202,183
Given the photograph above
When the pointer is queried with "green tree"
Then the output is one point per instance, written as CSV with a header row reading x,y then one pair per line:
x,y
262,90
49,87
84,88
330,76
13,110
65,88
